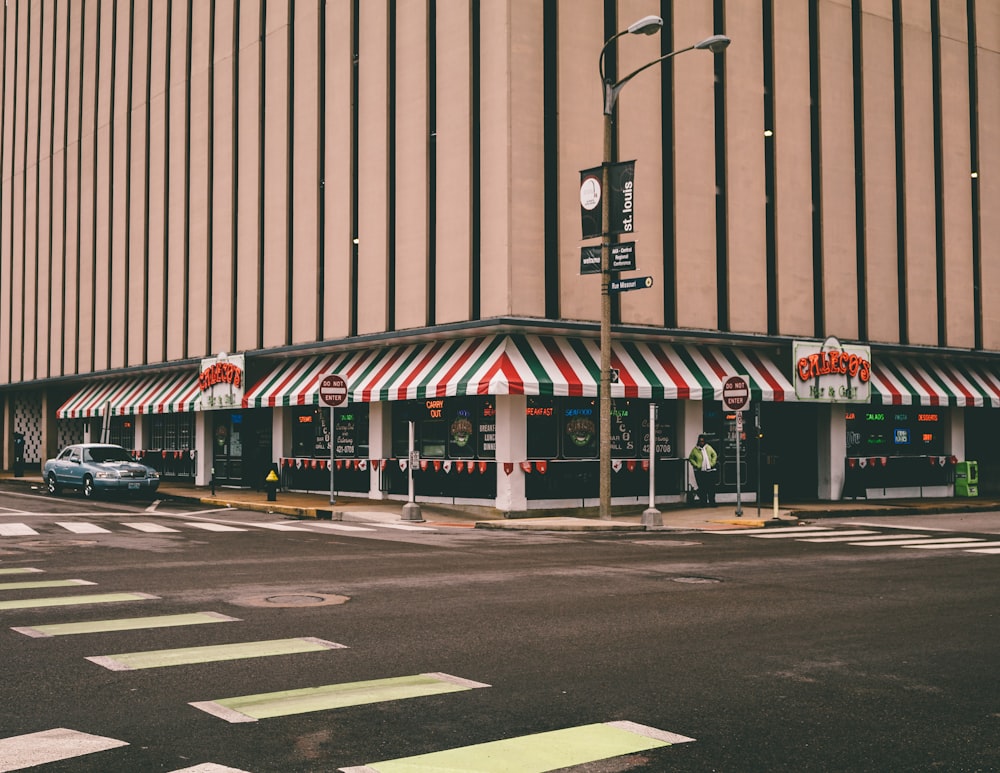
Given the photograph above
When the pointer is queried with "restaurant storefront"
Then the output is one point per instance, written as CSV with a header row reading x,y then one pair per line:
x,y
507,421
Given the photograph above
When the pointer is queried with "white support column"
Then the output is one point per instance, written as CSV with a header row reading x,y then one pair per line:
x,y
954,433
379,444
512,448
203,445
138,425
281,433
831,436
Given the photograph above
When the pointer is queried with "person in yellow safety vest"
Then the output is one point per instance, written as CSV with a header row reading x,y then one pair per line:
x,y
703,459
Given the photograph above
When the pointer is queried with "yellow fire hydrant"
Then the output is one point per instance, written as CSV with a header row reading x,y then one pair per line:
x,y
271,485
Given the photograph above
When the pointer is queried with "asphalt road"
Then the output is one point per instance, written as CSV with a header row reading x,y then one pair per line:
x,y
772,654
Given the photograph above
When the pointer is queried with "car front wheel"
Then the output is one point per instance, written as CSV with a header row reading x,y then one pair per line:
x,y
51,485
88,488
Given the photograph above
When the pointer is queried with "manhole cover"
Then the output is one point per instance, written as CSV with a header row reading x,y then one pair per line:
x,y
293,600
696,580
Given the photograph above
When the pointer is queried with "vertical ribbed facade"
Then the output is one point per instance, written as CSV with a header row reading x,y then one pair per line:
x,y
184,177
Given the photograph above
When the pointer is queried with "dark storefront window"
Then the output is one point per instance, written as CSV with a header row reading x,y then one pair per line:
x,y
172,431
895,430
567,428
311,432
122,432
452,428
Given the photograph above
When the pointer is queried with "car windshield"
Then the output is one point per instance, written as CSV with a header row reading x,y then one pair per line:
x,y
107,454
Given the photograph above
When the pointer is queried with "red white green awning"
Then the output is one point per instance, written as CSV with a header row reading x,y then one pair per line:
x,y
898,381
165,393
516,364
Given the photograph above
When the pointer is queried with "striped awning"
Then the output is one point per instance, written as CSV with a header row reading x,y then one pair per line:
x,y
164,393
911,381
516,364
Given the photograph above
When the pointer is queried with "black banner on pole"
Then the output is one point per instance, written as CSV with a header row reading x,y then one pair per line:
x,y
622,180
590,202
622,201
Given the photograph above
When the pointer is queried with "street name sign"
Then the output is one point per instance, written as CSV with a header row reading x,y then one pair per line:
x,y
637,283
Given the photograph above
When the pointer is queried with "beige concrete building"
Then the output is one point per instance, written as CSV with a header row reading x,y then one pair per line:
x,y
207,207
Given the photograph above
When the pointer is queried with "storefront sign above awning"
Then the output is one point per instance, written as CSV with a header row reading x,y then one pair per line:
x,y
831,372
529,365
914,381
222,381
164,393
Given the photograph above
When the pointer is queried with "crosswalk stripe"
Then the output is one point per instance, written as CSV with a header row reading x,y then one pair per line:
x,y
537,753
150,528
342,527
133,661
16,530
251,708
82,528
26,751
751,531
213,526
808,531
914,539
65,601
20,570
406,527
872,535
275,526
984,550
124,624
209,767
841,535
969,543
43,584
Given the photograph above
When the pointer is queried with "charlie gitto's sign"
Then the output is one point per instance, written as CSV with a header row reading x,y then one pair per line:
x,y
222,381
831,372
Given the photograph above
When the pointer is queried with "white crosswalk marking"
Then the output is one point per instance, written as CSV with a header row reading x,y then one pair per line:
x,y
213,526
406,527
150,528
82,528
970,543
26,751
341,527
807,531
209,767
873,536
984,550
913,539
16,530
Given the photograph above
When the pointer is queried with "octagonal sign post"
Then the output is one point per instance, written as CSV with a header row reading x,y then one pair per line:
x,y
736,397
333,393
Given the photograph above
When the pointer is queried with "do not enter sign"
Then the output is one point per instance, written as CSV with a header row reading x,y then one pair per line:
x,y
333,391
735,393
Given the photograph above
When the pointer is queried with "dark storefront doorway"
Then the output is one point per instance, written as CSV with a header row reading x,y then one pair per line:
x,y
240,447
789,451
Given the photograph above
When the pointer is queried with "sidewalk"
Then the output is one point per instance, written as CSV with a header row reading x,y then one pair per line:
x,y
680,517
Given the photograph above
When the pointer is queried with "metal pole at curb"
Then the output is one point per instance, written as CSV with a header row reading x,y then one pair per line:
x,y
411,510
651,516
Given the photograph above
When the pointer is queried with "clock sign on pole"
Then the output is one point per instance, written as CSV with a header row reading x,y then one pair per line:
x,y
333,393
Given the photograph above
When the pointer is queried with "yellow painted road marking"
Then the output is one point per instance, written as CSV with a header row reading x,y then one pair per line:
x,y
43,584
65,601
130,661
26,751
537,753
250,708
124,624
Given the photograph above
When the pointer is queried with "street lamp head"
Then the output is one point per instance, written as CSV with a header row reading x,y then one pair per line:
x,y
715,44
647,25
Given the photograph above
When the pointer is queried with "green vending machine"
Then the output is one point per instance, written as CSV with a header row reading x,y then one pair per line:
x,y
967,479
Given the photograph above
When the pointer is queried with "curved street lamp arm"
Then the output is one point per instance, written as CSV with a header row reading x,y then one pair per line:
x,y
611,90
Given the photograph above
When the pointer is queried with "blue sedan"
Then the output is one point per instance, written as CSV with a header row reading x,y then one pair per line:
x,y
98,468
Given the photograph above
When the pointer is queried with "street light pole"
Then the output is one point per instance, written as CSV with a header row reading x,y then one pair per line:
x,y
648,25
